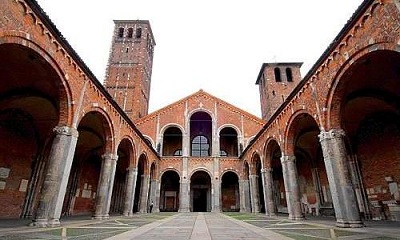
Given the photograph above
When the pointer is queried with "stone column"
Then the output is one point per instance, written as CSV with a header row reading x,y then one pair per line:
x,y
216,194
268,194
254,194
56,177
130,191
292,189
104,188
216,186
155,194
144,195
184,199
343,196
244,190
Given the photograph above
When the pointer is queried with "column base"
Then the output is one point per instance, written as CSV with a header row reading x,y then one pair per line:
x,y
350,224
184,210
54,223
101,217
39,223
296,218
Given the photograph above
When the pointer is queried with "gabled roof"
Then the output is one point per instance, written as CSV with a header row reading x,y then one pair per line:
x,y
201,92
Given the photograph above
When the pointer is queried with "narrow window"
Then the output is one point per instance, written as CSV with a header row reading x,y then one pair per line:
x,y
289,75
127,49
277,72
138,33
121,32
130,32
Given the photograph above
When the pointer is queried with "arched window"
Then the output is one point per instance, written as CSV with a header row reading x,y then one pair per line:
x,y
289,75
130,32
138,32
278,77
228,142
121,32
200,146
172,142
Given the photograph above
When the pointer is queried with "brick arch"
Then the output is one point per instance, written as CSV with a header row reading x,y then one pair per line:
x,y
235,171
254,157
146,166
335,94
199,169
290,131
166,126
172,169
245,171
190,114
132,149
65,95
267,151
154,175
231,126
108,127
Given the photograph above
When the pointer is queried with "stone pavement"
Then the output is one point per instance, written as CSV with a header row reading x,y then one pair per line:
x,y
198,226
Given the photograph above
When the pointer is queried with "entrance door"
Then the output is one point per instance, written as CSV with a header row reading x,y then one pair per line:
x,y
200,187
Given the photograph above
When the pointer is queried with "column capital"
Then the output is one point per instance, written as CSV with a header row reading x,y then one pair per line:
x,y
110,156
65,130
267,169
331,134
133,169
286,158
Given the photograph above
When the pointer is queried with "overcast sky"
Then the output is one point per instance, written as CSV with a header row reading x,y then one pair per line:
x,y
214,45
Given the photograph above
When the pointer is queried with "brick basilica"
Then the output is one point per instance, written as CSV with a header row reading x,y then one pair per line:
x,y
327,144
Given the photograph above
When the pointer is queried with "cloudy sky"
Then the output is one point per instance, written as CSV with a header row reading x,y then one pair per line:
x,y
214,45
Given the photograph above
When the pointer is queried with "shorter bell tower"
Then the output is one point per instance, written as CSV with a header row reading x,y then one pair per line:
x,y
276,81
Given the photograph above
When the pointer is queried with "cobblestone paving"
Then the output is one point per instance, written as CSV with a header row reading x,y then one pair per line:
x,y
308,230
83,229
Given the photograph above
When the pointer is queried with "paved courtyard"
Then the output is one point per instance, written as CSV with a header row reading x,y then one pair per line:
x,y
198,226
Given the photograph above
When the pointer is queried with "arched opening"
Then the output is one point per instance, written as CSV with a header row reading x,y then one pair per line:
x,y
228,142
274,154
31,96
289,75
140,183
130,32
200,192
172,142
85,171
277,72
200,134
124,153
369,115
121,32
169,194
315,195
230,192
259,184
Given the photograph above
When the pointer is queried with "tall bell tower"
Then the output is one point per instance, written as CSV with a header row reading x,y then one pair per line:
x,y
128,74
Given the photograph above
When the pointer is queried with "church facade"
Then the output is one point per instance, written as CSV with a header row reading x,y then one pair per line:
x,y
327,143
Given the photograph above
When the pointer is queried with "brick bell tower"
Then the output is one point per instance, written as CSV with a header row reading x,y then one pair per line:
x,y
276,81
128,74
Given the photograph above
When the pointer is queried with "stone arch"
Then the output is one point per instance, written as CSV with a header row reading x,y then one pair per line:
x,y
200,190
132,149
334,98
230,196
34,100
169,190
106,125
364,101
269,150
24,40
290,131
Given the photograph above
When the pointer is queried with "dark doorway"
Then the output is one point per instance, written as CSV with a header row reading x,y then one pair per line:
x,y
199,200
200,185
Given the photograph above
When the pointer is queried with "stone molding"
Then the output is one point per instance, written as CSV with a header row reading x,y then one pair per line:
x,y
331,134
65,130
